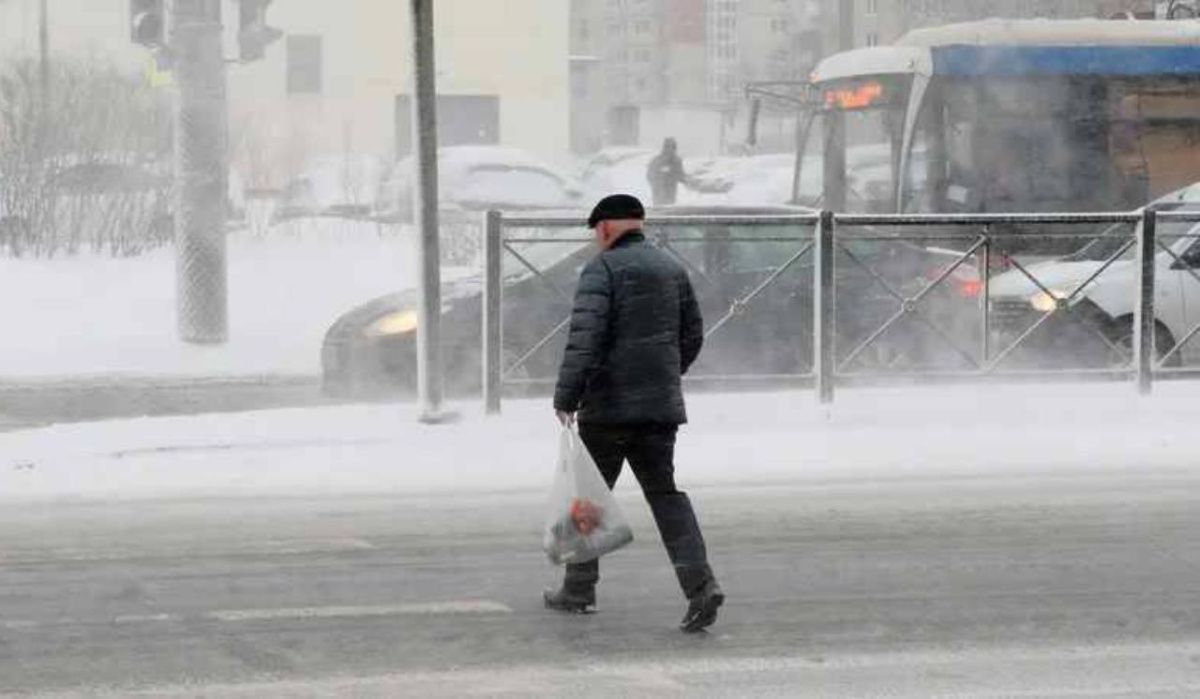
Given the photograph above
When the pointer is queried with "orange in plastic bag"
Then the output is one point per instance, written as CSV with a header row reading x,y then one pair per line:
x,y
586,515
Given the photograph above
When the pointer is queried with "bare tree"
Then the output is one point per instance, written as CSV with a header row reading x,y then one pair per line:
x,y
85,167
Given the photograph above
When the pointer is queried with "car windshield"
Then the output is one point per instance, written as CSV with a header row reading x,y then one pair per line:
x,y
1110,240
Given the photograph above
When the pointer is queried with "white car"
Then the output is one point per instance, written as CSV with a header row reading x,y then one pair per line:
x,y
1105,307
478,178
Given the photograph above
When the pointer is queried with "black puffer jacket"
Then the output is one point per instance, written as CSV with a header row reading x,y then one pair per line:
x,y
635,330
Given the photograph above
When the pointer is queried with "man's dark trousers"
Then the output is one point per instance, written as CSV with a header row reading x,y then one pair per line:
x,y
650,450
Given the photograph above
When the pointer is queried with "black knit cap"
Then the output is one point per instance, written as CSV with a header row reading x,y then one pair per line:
x,y
617,207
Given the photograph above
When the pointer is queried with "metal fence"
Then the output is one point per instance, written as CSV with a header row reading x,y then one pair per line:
x,y
869,315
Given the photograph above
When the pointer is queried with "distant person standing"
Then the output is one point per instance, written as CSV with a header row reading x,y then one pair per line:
x,y
665,173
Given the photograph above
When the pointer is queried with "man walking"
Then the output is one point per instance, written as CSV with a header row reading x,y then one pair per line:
x,y
665,173
635,330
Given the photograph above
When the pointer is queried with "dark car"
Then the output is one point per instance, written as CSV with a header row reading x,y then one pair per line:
x,y
370,351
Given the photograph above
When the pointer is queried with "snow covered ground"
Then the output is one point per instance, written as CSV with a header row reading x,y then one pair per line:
x,y
89,316
733,440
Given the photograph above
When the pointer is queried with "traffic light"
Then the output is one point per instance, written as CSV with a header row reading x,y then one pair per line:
x,y
254,36
147,22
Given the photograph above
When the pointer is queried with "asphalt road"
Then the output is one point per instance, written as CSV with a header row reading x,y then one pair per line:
x,y
1080,586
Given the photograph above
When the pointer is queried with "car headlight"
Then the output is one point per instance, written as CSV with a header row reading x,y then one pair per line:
x,y
397,323
1043,302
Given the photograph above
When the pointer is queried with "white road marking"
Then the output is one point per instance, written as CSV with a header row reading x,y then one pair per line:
x,y
305,546
242,615
454,607
143,618
266,547
19,625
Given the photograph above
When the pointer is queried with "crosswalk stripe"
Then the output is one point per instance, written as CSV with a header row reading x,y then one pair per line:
x,y
431,608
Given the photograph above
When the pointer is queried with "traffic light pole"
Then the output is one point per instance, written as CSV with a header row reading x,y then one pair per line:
x,y
425,142
44,56
201,128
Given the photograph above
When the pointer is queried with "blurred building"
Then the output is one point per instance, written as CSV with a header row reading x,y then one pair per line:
x,y
643,69
337,83
340,81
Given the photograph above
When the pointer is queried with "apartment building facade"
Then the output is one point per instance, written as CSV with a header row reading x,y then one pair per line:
x,y
638,60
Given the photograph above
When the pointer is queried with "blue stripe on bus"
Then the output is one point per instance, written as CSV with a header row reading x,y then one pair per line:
x,y
1012,61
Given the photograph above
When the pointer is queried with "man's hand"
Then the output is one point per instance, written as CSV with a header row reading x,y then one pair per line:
x,y
567,419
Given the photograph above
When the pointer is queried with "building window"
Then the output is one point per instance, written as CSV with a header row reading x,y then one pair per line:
x,y
872,7
779,25
641,55
304,65
642,26
872,39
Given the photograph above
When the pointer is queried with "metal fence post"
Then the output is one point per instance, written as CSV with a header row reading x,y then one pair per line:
x,y
823,310
985,298
492,332
1143,324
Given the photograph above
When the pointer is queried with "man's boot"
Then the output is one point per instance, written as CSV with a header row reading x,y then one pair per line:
x,y
572,601
702,608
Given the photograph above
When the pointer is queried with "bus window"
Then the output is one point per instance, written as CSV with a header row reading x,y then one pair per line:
x,y
1155,137
1022,145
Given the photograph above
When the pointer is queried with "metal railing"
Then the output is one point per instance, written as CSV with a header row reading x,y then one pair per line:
x,y
1155,246
827,245
499,373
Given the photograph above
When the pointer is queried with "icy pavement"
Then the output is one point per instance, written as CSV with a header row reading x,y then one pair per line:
x,y
745,438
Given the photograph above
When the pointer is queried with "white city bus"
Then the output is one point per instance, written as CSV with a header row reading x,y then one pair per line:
x,y
1009,115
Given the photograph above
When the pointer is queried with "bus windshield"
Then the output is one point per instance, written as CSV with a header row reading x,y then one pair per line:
x,y
873,110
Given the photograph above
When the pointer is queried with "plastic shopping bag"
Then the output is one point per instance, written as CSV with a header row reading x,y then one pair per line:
x,y
584,521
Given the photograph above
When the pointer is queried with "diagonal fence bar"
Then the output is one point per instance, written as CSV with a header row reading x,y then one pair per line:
x,y
739,305
910,306
1061,305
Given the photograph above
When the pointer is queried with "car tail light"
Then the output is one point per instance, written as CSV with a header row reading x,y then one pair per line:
x,y
970,288
964,280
